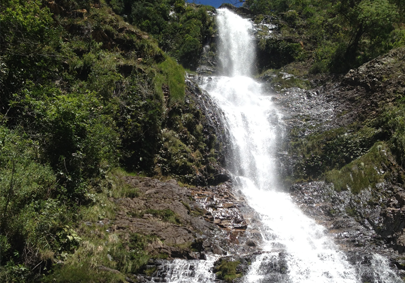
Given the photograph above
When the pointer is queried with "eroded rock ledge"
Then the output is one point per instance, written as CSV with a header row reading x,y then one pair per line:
x,y
184,222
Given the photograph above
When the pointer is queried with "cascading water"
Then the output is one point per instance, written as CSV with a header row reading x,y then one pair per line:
x,y
252,120
186,271
310,255
295,249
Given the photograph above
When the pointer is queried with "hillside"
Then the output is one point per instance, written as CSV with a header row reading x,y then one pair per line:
x,y
112,158
86,97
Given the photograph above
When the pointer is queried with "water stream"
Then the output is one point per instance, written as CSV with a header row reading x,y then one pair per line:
x,y
294,244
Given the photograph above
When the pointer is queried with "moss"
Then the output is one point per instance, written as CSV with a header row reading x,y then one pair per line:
x,y
180,158
171,74
281,80
322,152
226,270
364,172
351,211
150,271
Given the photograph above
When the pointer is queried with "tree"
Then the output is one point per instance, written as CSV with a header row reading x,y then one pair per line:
x,y
374,18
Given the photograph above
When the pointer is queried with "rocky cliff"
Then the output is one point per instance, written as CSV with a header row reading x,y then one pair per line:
x,y
344,163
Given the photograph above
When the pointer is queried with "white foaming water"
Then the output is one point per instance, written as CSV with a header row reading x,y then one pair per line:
x,y
187,271
233,56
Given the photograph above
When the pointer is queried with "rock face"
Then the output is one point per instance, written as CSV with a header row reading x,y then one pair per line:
x,y
363,92
331,136
185,222
361,224
167,211
194,140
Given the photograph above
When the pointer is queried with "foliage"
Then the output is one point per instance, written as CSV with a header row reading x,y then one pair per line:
x,y
139,119
179,29
337,35
173,74
81,92
80,123
274,53
27,45
34,227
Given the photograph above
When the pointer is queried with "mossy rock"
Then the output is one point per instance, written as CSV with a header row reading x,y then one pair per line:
x,y
227,270
281,80
364,172
331,149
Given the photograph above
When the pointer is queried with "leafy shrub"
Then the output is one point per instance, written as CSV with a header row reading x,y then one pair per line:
x,y
32,225
275,53
76,134
27,34
291,16
139,120
179,29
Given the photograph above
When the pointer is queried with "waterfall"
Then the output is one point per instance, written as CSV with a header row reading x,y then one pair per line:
x,y
236,58
310,255
294,248
290,238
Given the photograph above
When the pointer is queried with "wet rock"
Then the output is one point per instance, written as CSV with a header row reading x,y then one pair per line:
x,y
359,223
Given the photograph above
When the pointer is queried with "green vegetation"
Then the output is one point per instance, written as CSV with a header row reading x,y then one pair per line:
x,y
383,161
173,74
227,270
82,93
180,29
281,80
104,258
330,150
364,172
354,157
334,36
91,91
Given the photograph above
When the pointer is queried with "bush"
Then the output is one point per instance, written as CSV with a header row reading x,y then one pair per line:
x,y
76,133
139,120
179,29
32,224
